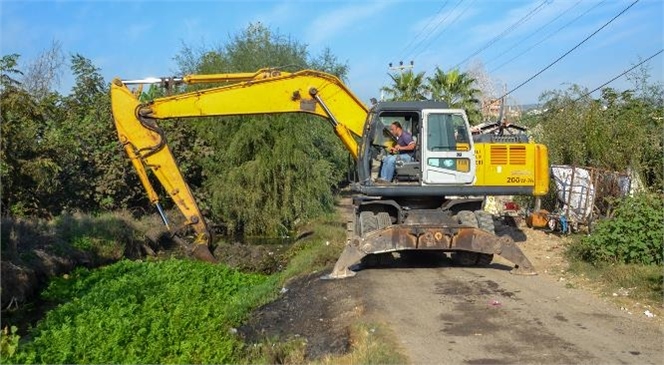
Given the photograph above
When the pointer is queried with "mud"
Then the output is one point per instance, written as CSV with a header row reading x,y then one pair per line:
x,y
265,259
317,311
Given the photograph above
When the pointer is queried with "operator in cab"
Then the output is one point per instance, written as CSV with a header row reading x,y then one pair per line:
x,y
403,150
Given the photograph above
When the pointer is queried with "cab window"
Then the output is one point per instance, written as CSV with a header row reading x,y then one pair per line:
x,y
447,132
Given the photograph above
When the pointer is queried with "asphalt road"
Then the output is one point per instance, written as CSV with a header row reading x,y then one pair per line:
x,y
453,315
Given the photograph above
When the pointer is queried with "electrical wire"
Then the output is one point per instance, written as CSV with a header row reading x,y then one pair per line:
x,y
521,41
505,32
433,31
547,37
403,51
571,50
619,76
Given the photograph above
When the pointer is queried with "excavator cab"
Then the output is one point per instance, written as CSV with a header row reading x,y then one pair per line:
x,y
444,152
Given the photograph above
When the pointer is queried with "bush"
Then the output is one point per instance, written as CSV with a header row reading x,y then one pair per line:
x,y
634,235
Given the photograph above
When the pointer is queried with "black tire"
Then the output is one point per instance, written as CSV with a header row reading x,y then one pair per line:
x,y
384,220
467,218
368,223
485,223
464,258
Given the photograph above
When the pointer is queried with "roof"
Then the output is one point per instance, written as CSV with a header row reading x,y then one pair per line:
x,y
409,105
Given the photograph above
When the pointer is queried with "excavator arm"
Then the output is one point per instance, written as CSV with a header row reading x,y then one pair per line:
x,y
266,91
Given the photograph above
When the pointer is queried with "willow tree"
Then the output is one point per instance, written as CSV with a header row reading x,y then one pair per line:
x,y
263,175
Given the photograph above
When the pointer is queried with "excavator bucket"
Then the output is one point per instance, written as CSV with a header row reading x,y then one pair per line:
x,y
199,251
202,253
449,239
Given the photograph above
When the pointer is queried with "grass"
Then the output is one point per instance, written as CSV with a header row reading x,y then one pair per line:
x,y
643,282
371,343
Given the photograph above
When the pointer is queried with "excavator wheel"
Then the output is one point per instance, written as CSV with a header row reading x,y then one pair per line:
x,y
485,223
465,258
479,219
371,222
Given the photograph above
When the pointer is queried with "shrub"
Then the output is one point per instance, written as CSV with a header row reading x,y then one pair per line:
x,y
634,235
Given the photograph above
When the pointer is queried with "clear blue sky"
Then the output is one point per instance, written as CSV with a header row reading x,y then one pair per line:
x,y
133,39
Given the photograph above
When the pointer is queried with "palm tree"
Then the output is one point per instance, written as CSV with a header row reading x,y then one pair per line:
x,y
406,86
456,89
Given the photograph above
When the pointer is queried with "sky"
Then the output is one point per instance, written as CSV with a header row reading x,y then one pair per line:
x,y
511,39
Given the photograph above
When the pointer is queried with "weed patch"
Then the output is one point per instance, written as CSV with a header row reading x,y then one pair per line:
x,y
172,311
643,283
634,235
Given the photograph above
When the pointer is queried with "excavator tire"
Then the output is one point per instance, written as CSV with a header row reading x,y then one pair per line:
x,y
485,223
478,219
367,223
465,258
467,218
371,222
384,220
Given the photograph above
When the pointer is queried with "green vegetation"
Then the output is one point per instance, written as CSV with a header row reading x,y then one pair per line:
x,y
370,344
265,174
455,88
642,283
170,311
626,251
103,238
60,153
633,235
618,131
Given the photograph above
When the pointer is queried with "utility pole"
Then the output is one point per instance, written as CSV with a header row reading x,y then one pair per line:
x,y
401,66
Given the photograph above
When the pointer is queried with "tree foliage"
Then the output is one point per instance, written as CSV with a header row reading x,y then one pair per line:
x,y
258,175
60,152
264,174
455,88
617,131
407,86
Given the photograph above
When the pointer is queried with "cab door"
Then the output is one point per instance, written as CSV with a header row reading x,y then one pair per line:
x,y
448,154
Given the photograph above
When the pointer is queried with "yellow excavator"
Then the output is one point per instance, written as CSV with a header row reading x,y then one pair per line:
x,y
434,201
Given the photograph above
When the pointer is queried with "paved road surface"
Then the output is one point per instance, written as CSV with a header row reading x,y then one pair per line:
x,y
452,315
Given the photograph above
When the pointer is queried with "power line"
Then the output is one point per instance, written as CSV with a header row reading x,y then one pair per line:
x,y
505,32
570,51
547,37
445,28
433,31
403,51
619,76
535,32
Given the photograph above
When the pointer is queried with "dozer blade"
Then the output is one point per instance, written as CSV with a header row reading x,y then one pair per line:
x,y
349,257
404,237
